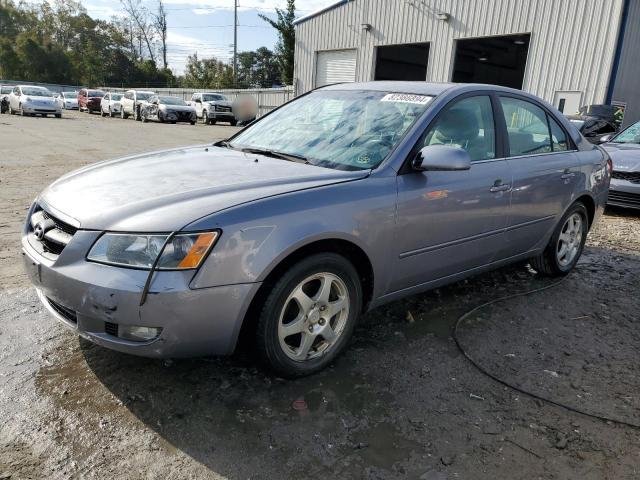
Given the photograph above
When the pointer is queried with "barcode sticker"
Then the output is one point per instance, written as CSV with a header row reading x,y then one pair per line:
x,y
406,98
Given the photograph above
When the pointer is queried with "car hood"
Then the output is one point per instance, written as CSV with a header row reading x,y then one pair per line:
x,y
165,191
41,99
224,103
625,156
178,108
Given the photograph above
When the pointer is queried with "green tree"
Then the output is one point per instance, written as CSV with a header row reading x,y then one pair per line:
x,y
285,48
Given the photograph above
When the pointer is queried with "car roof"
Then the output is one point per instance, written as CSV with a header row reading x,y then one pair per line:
x,y
210,93
421,88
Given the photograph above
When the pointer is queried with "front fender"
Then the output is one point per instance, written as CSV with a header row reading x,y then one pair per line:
x,y
259,235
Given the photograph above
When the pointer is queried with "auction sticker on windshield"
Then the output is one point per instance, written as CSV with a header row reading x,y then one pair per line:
x,y
406,98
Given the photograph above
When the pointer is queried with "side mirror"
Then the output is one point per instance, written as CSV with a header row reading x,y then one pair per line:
x,y
197,100
441,158
605,138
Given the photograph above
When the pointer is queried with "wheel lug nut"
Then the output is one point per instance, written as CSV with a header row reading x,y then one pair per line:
x,y
311,328
321,322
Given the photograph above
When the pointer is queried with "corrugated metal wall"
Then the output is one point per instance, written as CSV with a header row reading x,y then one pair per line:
x,y
627,84
572,41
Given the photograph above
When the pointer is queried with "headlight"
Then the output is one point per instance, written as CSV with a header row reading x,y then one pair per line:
x,y
184,251
27,99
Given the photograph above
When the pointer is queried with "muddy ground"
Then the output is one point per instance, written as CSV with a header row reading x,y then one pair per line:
x,y
403,402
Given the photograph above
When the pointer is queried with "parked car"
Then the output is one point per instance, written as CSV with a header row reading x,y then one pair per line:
x,y
110,104
212,107
133,101
596,121
89,100
168,109
593,129
67,100
5,90
624,149
32,100
341,200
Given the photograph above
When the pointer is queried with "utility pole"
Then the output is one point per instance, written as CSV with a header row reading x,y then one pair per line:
x,y
235,43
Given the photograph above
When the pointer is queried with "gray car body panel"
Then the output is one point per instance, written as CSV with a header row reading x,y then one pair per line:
x,y
626,159
415,236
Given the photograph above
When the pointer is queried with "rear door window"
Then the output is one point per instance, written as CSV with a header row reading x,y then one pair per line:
x,y
559,141
527,127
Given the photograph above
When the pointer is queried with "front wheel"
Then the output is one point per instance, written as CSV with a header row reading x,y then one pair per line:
x,y
309,315
136,114
567,242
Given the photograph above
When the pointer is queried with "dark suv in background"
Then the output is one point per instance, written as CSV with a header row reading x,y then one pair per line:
x,y
89,100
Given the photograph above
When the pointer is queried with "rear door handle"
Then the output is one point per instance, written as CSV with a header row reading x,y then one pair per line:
x,y
566,176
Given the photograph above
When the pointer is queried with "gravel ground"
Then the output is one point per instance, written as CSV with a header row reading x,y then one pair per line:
x,y
403,402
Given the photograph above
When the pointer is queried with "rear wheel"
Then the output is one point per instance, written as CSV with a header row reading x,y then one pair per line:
x,y
233,122
567,242
308,316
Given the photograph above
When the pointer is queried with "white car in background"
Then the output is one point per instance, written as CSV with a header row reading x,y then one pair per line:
x,y
132,101
110,104
68,100
32,100
213,107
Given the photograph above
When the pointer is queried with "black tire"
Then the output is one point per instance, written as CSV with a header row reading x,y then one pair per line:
x,y
267,340
136,114
233,122
212,121
144,118
193,123
547,263
58,115
205,117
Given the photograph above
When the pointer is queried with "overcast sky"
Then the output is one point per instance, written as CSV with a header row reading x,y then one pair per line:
x,y
206,26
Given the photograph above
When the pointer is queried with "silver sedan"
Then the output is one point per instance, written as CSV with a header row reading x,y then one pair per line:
x,y
342,200
624,149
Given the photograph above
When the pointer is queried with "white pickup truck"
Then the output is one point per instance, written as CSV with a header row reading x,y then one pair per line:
x,y
212,107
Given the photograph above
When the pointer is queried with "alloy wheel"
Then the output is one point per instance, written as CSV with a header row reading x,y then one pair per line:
x,y
570,240
313,317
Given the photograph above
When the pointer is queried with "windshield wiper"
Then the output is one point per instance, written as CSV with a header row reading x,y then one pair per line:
x,y
223,143
292,157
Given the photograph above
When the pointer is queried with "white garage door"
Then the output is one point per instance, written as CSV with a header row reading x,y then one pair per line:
x,y
335,66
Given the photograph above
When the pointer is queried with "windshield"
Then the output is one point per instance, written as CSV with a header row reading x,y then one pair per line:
x,y
116,96
172,101
6,90
69,94
95,93
212,97
37,91
346,130
629,135
143,95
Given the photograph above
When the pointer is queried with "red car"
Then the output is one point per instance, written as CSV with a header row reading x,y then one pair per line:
x,y
89,100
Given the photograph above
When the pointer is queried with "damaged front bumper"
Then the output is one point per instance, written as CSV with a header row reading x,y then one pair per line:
x,y
100,302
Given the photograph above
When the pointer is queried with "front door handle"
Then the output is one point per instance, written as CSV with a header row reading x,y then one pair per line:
x,y
498,186
567,175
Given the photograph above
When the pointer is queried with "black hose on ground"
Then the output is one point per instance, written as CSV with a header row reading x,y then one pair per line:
x,y
481,369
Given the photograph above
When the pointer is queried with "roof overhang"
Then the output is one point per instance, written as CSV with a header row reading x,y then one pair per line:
x,y
331,6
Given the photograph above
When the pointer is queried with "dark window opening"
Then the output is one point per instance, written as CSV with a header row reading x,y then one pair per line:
x,y
494,60
402,62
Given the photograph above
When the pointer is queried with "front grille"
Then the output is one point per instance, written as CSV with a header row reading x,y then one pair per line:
x,y
60,225
65,312
56,233
624,198
111,328
633,177
222,108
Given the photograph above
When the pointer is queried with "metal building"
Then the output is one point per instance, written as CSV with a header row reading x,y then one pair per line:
x,y
569,52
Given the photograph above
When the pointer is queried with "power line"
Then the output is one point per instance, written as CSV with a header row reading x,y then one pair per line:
x,y
220,26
